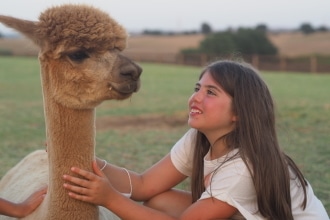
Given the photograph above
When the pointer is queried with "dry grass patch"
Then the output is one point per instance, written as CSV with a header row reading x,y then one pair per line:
x,y
298,44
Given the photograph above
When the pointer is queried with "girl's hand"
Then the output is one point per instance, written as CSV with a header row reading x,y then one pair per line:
x,y
90,187
31,203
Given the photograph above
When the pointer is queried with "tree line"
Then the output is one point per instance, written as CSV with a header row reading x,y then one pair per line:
x,y
244,40
247,41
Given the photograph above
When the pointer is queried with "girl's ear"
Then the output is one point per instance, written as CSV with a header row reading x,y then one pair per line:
x,y
235,118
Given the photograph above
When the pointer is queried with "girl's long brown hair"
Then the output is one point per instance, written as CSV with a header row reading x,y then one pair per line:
x,y
255,137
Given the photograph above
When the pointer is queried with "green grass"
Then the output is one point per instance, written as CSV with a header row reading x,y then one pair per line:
x,y
302,100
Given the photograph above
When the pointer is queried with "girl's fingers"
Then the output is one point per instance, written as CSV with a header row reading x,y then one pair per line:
x,y
41,193
78,181
86,174
79,197
86,185
76,189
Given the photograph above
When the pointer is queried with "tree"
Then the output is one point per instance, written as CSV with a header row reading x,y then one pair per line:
x,y
244,40
261,27
251,41
153,32
322,29
206,28
218,43
306,28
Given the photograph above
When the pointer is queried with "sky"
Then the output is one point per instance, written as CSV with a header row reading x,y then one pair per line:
x,y
188,15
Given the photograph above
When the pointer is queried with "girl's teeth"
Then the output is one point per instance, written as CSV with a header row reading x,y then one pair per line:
x,y
195,111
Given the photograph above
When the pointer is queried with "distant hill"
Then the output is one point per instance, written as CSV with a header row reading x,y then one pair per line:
x,y
289,44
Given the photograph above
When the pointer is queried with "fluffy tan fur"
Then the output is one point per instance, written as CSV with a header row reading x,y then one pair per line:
x,y
81,26
81,66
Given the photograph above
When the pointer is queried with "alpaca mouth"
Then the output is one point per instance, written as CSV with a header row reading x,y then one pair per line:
x,y
125,88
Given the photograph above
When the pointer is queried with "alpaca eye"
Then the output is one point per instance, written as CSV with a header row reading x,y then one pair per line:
x,y
78,56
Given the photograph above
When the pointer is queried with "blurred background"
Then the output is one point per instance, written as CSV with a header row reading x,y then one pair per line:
x,y
278,35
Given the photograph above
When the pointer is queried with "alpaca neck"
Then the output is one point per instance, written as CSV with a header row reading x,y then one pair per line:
x,y
70,142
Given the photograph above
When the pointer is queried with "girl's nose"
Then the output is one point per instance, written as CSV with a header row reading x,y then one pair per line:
x,y
196,96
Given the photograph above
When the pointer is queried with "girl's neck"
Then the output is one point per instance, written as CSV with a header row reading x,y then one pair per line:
x,y
218,149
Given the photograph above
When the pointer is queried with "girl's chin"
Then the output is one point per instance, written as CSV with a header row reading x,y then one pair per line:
x,y
193,125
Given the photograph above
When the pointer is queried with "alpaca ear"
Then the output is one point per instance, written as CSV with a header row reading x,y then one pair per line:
x,y
25,27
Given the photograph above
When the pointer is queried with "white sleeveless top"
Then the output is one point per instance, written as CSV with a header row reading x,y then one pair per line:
x,y
232,183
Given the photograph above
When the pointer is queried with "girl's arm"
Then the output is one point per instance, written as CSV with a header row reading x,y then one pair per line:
x,y
160,177
23,209
97,189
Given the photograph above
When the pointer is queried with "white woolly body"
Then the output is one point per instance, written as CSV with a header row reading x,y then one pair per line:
x,y
31,174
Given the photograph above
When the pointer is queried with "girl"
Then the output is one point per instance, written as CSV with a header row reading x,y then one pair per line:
x,y
232,155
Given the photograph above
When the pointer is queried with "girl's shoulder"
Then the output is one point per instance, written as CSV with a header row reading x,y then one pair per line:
x,y
231,162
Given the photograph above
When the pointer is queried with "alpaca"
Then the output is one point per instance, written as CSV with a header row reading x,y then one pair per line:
x,y
81,65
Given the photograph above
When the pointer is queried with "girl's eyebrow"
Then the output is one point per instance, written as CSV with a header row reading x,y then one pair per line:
x,y
209,86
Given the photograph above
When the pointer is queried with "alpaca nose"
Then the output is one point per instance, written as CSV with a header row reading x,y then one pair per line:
x,y
133,70
130,69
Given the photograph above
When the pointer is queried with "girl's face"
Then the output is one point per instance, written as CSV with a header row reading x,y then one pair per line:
x,y
211,109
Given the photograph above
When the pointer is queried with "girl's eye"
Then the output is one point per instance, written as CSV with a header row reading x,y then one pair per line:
x,y
196,89
210,92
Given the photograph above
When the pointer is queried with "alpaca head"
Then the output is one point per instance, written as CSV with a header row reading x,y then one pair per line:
x,y
80,55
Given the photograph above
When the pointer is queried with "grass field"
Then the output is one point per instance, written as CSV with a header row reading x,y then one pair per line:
x,y
137,132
